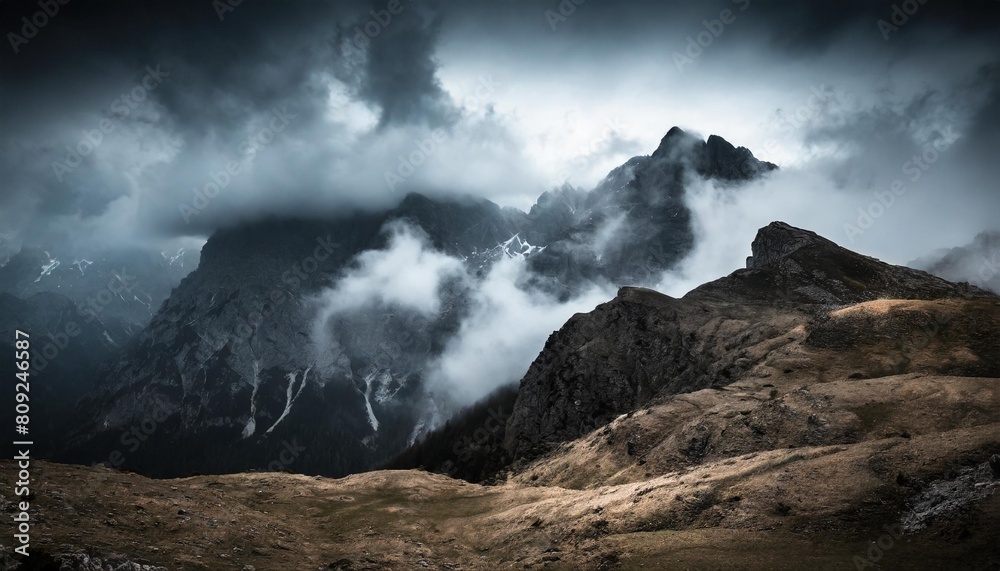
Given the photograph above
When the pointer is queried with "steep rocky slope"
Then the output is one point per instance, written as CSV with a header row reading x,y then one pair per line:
x,y
241,359
226,365
644,345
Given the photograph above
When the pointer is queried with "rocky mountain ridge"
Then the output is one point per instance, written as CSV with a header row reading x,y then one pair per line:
x,y
237,363
126,284
645,345
848,415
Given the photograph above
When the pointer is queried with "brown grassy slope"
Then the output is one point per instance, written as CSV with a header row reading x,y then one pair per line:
x,y
722,514
830,382
801,463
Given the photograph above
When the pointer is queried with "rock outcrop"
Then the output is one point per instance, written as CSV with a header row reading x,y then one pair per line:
x,y
643,345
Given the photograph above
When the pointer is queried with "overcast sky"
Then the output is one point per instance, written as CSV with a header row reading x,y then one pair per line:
x,y
316,102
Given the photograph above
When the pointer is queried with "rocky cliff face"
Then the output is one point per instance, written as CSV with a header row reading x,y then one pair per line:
x,y
236,365
643,345
634,224
228,365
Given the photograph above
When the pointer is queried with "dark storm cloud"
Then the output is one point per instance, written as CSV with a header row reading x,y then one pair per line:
x,y
406,87
228,69
983,135
357,85
792,27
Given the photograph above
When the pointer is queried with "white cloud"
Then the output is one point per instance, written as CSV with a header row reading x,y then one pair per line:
x,y
505,331
406,274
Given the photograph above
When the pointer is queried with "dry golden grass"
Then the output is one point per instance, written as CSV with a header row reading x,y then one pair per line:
x,y
798,464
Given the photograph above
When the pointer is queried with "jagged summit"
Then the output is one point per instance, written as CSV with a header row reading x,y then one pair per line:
x,y
794,265
777,240
675,139
712,158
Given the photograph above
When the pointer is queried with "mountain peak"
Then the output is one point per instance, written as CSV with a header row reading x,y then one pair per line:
x,y
676,139
714,158
777,240
790,264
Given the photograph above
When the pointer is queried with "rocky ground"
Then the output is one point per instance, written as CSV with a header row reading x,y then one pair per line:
x,y
820,507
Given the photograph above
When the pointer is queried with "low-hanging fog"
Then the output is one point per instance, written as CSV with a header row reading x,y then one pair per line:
x,y
157,124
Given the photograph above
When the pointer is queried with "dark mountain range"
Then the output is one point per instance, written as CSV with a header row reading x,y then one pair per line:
x,y
67,346
127,284
819,403
240,361
80,310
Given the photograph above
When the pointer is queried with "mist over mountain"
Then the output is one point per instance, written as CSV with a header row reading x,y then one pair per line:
x,y
976,263
721,414
372,329
319,105
384,284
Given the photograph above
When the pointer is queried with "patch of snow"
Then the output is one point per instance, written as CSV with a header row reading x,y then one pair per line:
x,y
418,431
251,426
289,396
82,264
172,259
371,414
108,337
47,268
383,382
370,381
518,248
